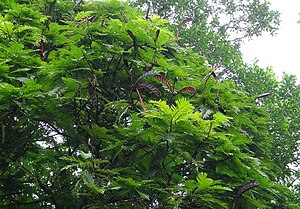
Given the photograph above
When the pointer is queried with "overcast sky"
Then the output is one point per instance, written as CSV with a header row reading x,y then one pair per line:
x,y
282,52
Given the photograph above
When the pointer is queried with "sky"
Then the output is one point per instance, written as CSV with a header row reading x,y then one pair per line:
x,y
282,52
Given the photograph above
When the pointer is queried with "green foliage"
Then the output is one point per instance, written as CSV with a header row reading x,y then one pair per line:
x,y
282,105
216,31
218,27
102,109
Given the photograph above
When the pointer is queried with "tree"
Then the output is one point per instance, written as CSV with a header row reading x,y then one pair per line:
x,y
280,98
101,107
218,27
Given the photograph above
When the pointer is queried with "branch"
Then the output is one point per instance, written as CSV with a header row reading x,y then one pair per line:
x,y
51,8
212,72
54,128
148,10
198,144
44,187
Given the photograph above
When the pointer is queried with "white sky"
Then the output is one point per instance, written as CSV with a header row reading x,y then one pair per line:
x,y
282,52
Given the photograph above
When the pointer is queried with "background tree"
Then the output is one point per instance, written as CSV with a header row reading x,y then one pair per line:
x,y
281,101
218,27
101,107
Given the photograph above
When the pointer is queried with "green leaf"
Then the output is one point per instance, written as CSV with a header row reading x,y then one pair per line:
x,y
204,183
89,182
85,155
143,195
83,14
31,85
70,83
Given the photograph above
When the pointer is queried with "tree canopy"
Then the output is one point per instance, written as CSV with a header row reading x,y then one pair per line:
x,y
216,30
218,26
102,107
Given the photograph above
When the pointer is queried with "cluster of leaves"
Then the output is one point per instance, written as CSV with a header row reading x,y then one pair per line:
x,y
101,108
